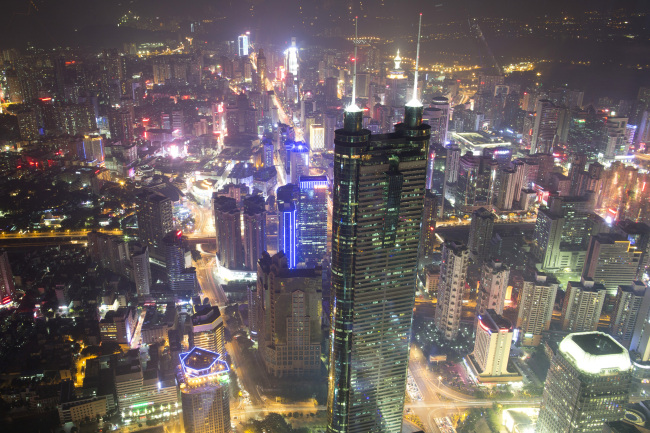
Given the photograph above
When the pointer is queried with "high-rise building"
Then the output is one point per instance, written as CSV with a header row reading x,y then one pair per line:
x,y
536,301
254,230
638,234
205,392
287,201
312,219
451,288
439,120
299,162
155,220
207,329
118,326
588,384
141,271
492,346
174,258
508,194
92,149
428,230
242,45
291,59
583,304
467,184
316,137
289,309
562,233
545,128
480,235
261,71
612,261
436,175
227,224
379,185
631,306
493,287
6,279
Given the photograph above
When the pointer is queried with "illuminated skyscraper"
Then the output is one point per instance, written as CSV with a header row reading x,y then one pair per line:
x,y
242,45
291,59
588,384
493,287
254,230
379,185
492,345
6,279
205,393
451,288
631,307
536,303
583,304
312,219
207,329
230,249
545,127
287,201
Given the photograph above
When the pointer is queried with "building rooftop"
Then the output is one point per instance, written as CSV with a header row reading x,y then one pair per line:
x,y
491,321
594,353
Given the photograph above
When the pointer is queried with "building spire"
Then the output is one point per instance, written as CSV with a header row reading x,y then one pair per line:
x,y
353,105
415,102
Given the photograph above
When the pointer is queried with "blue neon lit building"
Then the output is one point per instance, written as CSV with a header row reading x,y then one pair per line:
x,y
287,200
205,393
312,219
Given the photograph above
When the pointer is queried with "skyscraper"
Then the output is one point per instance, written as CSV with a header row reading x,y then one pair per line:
x,y
583,304
254,230
155,220
180,275
436,169
428,230
141,271
492,287
451,288
207,329
227,224
242,45
612,261
588,384
287,200
205,393
312,219
536,303
298,161
480,234
261,71
379,184
289,309
631,306
545,127
6,279
492,346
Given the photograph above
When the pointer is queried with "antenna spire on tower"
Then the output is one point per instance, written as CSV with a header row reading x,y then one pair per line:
x,y
415,102
353,105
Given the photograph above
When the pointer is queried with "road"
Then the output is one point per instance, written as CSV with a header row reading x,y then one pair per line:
x,y
56,234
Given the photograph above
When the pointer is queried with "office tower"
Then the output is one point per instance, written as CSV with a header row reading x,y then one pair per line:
x,y
227,224
562,232
612,261
587,385
379,184
583,304
480,235
312,219
317,137
207,329
291,59
299,161
631,306
6,279
536,301
453,164
242,45
492,346
467,182
205,392
289,309
638,234
545,127
396,84
91,149
261,71
177,122
428,229
141,271
451,288
440,127
118,326
508,194
329,125
436,173
287,202
155,220
174,258
492,287
254,230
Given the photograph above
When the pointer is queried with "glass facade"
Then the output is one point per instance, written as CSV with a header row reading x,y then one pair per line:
x,y
379,185
312,219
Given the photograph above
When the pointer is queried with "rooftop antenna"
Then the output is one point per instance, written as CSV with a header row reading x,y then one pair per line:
x,y
415,102
353,105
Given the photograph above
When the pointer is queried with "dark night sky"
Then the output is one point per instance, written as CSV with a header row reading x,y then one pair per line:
x,y
53,22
